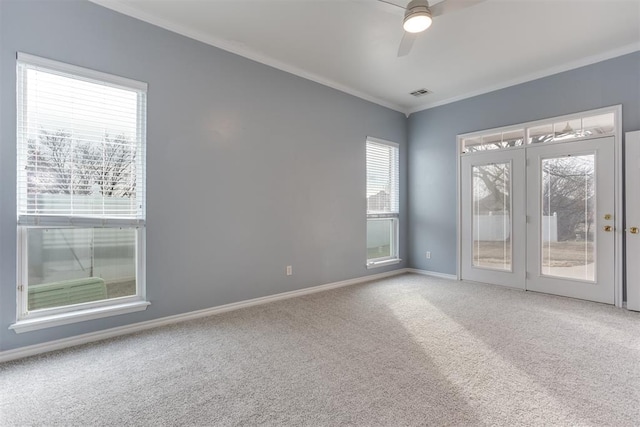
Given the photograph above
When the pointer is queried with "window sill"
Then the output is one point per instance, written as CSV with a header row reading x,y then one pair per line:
x,y
376,264
43,322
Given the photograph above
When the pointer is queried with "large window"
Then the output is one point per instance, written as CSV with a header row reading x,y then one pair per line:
x,y
80,193
383,204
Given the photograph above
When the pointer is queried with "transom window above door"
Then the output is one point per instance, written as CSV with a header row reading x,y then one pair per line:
x,y
591,124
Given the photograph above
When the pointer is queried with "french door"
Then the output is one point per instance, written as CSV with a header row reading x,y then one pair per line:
x,y
493,217
541,218
570,211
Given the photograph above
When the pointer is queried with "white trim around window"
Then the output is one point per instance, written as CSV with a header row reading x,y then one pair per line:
x,y
81,223
383,202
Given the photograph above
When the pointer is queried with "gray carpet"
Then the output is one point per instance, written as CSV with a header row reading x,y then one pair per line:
x,y
409,350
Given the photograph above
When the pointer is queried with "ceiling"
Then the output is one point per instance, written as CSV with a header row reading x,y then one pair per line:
x,y
352,45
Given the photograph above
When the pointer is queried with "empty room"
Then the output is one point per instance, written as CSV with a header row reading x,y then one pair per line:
x,y
319,212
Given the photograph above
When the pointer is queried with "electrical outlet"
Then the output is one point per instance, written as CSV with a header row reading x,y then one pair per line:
x,y
428,254
289,270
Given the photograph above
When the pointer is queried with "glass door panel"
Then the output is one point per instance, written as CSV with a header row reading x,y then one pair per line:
x,y
492,216
568,219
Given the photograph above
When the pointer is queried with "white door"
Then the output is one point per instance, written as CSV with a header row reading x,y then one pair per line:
x,y
541,218
493,217
570,219
632,156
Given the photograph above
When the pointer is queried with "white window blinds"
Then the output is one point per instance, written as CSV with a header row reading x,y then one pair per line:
x,y
383,179
81,145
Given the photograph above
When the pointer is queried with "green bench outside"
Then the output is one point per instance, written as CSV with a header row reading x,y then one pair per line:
x,y
66,292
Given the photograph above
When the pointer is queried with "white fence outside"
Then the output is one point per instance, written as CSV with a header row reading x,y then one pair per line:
x,y
66,254
378,233
497,228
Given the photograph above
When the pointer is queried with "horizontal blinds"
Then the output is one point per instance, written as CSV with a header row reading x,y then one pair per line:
x,y
383,179
81,145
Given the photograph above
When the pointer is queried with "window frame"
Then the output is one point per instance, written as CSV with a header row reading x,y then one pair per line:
x,y
527,127
394,245
48,317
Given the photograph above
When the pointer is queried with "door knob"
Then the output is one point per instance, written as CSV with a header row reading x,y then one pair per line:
x,y
607,228
633,230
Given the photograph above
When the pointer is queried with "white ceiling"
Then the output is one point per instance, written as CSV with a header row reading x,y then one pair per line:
x,y
352,45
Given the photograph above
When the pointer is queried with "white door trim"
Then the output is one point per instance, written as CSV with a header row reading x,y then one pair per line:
x,y
619,213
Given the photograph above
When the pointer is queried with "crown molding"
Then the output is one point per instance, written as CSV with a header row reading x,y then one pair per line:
x,y
241,50
633,47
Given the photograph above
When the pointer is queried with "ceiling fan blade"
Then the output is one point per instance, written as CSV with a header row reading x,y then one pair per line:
x,y
393,7
406,43
448,6
397,3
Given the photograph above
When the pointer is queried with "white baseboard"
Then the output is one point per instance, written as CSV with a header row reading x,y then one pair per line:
x,y
432,273
36,349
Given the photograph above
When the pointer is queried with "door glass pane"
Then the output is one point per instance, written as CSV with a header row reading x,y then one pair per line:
x,y
491,226
77,265
541,134
599,125
568,217
569,129
498,141
514,138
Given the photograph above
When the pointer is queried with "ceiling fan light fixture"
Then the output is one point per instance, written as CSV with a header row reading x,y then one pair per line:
x,y
417,17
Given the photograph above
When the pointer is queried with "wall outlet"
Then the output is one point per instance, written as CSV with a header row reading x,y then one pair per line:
x,y
289,270
428,254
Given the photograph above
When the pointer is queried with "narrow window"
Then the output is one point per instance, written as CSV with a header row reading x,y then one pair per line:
x,y
80,189
383,202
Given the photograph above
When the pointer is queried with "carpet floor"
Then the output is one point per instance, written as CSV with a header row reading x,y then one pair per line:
x,y
408,350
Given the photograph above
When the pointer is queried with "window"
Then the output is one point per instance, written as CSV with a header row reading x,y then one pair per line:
x,y
80,193
383,202
588,124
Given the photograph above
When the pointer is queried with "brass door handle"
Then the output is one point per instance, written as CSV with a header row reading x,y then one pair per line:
x,y
633,230
607,228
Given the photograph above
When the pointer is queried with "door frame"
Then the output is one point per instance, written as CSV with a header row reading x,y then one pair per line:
x,y
632,219
619,232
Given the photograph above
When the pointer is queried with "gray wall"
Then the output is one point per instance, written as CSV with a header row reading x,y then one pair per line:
x,y
250,169
432,141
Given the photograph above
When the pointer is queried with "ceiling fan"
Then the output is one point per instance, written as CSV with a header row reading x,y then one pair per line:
x,y
418,16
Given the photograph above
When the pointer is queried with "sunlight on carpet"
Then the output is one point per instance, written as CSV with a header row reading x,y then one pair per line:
x,y
478,372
